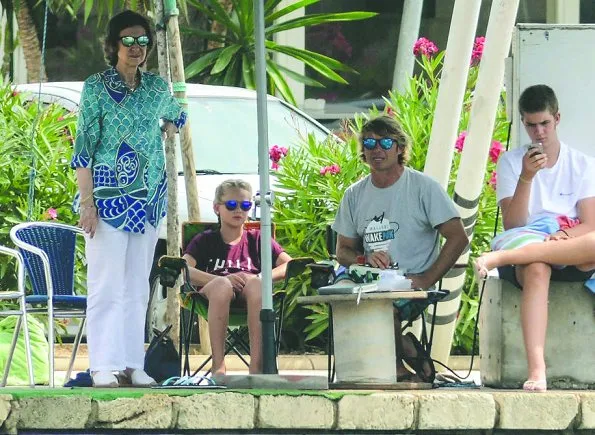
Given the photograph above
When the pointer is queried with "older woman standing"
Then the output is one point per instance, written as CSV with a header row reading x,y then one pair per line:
x,y
120,168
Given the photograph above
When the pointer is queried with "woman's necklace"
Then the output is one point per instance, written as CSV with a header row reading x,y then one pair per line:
x,y
133,84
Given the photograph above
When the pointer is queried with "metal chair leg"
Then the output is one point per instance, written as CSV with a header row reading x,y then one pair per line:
x,y
51,340
280,326
28,353
13,344
75,347
330,347
186,339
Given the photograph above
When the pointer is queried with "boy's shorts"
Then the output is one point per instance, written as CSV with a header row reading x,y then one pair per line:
x,y
566,274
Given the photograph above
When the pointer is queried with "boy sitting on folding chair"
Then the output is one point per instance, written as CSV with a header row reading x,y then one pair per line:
x,y
225,265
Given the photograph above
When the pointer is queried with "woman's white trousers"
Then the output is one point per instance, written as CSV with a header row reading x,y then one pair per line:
x,y
118,268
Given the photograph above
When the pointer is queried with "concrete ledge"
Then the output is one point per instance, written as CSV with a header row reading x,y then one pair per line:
x,y
301,412
436,411
233,363
570,347
378,411
443,411
551,411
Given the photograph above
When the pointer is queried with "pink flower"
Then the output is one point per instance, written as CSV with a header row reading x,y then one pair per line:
x,y
275,166
332,169
495,151
389,111
460,141
15,93
423,46
51,213
276,153
493,180
477,50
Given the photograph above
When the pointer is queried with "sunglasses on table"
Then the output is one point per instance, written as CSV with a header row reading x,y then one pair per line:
x,y
128,41
385,143
232,204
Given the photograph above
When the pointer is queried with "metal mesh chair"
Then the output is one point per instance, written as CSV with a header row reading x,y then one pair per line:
x,y
48,250
21,312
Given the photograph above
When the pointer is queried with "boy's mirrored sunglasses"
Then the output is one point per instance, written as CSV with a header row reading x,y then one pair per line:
x,y
232,204
128,41
385,143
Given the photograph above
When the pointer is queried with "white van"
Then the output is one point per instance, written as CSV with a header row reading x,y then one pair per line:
x,y
225,144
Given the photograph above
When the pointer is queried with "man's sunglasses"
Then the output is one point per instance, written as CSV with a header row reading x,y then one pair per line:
x,y
385,143
232,204
128,41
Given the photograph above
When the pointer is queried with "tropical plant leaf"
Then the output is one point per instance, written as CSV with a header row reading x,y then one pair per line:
x,y
239,30
328,61
232,73
317,19
300,77
224,58
202,63
210,36
248,71
289,9
215,12
313,63
279,82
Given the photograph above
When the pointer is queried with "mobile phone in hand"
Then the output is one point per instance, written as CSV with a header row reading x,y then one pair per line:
x,y
535,149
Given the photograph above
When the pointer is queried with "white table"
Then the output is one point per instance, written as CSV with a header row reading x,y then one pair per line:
x,y
363,335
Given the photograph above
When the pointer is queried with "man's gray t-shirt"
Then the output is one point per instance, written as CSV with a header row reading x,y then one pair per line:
x,y
400,219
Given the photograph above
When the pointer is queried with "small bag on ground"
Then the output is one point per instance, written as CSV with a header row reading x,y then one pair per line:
x,y
162,360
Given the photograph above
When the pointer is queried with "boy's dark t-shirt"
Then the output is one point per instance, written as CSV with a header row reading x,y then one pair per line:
x,y
214,256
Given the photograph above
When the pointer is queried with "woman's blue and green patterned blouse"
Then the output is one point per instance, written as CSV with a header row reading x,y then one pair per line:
x,y
119,138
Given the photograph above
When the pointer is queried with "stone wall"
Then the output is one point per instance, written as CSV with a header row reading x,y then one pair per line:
x,y
438,411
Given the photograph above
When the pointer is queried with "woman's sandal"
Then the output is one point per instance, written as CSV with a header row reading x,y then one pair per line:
x,y
421,362
539,386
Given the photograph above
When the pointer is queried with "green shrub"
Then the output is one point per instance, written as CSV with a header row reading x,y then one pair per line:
x,y
49,150
311,180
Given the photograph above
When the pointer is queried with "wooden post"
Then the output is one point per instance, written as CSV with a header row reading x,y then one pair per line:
x,y
172,314
179,86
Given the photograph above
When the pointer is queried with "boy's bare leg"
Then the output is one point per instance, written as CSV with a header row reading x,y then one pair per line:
x,y
219,292
576,251
535,279
252,294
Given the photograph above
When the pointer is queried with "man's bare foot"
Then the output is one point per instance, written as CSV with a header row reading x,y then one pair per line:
x,y
404,375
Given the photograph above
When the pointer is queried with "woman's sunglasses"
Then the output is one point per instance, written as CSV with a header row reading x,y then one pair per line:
x,y
385,143
128,41
232,204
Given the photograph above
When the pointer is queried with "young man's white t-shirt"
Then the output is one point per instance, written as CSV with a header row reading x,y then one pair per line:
x,y
555,191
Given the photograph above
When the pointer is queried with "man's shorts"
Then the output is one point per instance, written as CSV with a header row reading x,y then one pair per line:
x,y
566,274
408,309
